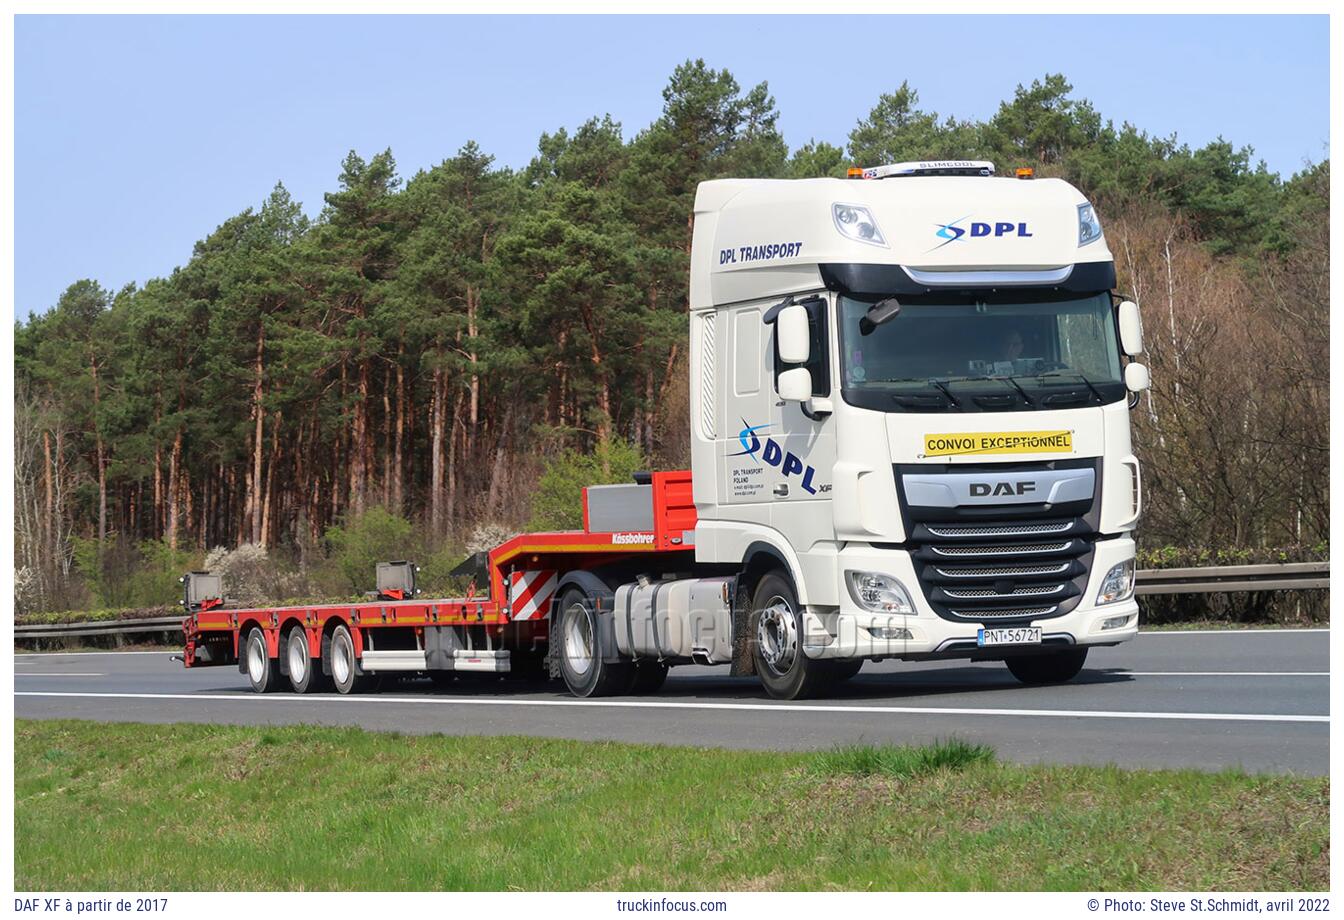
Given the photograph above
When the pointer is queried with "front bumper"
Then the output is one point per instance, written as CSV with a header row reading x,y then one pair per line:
x,y
851,632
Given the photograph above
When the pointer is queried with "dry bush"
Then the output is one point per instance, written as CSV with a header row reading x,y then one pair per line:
x,y
1224,430
251,576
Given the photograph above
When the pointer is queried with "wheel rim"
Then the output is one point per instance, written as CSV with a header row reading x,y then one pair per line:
x,y
340,659
298,658
256,659
578,639
777,635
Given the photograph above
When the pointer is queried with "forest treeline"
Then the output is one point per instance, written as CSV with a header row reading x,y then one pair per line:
x,y
425,345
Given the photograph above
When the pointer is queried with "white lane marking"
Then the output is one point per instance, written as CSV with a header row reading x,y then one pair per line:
x,y
164,652
59,674
737,707
1223,673
1229,632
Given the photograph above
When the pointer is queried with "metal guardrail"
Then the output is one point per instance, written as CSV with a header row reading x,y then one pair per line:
x,y
99,628
1290,576
1286,576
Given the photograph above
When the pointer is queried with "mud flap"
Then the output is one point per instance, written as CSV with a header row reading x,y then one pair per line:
x,y
604,606
744,663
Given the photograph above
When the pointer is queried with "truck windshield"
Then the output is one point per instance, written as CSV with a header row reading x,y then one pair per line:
x,y
982,352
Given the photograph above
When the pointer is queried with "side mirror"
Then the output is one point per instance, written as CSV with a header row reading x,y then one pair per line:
x,y
1136,377
1131,328
795,384
794,336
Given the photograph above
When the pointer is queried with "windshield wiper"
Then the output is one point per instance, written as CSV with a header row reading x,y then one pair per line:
x,y
1081,376
1008,380
1017,386
942,386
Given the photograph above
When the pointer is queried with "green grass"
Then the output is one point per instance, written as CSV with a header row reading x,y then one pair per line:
x,y
198,807
901,762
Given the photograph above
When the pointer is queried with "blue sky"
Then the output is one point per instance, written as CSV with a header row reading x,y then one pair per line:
x,y
135,136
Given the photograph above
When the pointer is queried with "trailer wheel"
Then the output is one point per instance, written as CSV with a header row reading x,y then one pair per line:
x,y
305,674
777,630
263,672
581,664
1054,668
340,655
649,676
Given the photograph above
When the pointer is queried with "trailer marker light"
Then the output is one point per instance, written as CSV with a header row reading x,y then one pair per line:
x,y
1025,172
854,172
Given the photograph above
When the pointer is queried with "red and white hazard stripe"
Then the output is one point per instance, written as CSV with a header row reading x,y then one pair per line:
x,y
530,593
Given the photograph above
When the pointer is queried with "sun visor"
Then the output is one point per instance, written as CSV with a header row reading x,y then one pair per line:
x,y
861,279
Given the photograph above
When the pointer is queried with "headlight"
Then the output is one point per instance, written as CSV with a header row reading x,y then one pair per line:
x,y
1089,225
878,593
857,224
1118,585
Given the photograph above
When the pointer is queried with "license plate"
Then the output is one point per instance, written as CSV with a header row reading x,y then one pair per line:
x,y
1022,635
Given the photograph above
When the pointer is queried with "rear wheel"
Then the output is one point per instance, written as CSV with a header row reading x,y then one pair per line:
x,y
581,664
305,673
777,628
339,652
262,670
1054,668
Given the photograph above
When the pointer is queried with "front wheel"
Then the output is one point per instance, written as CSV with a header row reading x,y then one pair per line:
x,y
1054,668
777,628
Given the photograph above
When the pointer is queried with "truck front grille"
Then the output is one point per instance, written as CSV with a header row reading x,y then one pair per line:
x,y
993,570
980,531
961,572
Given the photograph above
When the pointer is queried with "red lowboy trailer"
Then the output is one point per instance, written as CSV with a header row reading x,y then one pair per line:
x,y
348,647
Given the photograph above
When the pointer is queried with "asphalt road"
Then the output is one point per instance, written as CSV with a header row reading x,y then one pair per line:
x,y
1258,700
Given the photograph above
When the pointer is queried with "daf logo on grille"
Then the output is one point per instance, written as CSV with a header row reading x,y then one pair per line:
x,y
979,489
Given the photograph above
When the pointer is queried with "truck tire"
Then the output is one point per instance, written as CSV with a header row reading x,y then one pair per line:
x,y
1054,668
581,664
777,643
305,674
263,671
339,652
648,677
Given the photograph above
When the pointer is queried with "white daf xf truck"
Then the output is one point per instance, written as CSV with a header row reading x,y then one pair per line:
x,y
910,397
910,439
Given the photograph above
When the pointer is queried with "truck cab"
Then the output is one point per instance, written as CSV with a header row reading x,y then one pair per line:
x,y
910,396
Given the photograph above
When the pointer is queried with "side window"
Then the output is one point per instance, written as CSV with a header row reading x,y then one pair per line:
x,y
819,355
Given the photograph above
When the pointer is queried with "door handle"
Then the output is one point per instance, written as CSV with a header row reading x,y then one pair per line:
x,y
782,489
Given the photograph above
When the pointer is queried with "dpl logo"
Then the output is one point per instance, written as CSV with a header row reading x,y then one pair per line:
x,y
789,463
950,232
